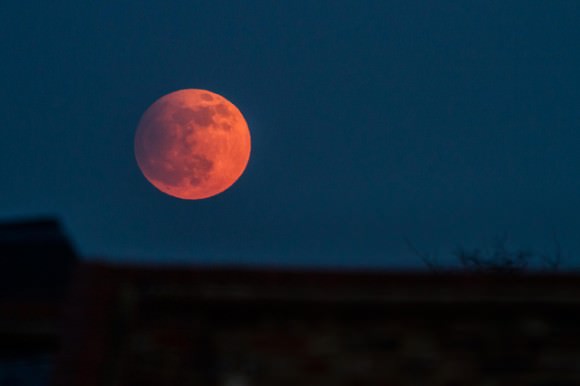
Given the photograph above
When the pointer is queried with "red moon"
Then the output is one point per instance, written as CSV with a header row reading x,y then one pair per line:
x,y
192,144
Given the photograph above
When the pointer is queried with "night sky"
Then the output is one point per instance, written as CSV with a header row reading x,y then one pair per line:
x,y
445,122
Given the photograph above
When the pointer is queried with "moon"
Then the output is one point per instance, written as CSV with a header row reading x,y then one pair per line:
x,y
192,144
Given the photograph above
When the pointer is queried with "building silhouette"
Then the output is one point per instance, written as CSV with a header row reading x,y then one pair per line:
x,y
118,325
36,265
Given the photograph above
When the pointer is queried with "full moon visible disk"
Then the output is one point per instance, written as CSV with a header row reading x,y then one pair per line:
x,y
192,144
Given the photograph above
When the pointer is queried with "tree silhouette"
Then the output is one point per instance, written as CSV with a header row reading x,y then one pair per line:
x,y
498,259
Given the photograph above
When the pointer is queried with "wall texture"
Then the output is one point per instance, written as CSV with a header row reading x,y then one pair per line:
x,y
141,327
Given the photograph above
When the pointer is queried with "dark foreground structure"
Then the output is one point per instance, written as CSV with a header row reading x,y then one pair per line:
x,y
146,326
151,326
36,266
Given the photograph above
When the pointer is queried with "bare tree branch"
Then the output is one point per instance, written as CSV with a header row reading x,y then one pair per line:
x,y
499,259
427,258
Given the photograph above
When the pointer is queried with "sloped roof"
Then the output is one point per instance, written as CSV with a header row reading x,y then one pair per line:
x,y
36,259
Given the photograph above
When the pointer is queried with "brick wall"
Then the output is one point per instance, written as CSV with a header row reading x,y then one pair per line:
x,y
290,328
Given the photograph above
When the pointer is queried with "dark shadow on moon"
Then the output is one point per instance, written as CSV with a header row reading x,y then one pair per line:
x,y
157,143
193,169
200,168
164,148
202,116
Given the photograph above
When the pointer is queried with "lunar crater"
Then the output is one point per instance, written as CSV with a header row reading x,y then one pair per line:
x,y
223,110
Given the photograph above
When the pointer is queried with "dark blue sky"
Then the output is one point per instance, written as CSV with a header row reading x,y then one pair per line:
x,y
446,122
